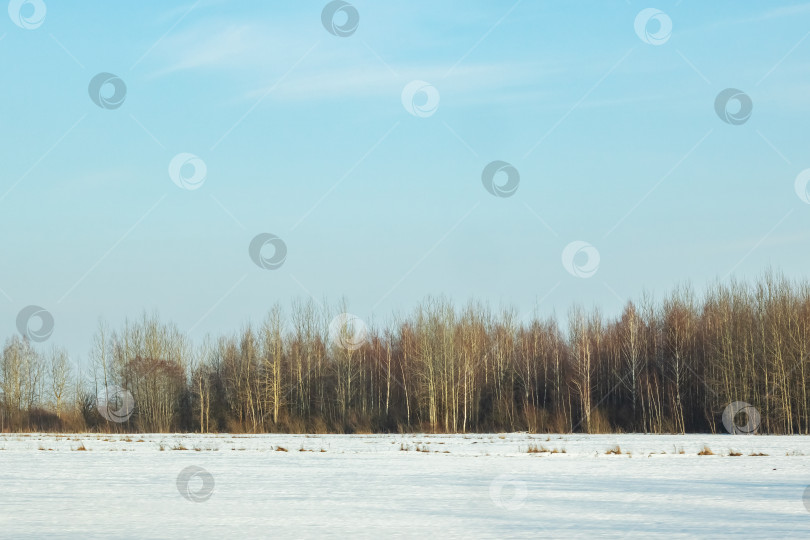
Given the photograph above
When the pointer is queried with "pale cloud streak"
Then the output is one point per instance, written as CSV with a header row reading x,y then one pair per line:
x,y
257,53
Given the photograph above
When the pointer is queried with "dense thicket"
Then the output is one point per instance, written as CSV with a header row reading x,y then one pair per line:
x,y
669,366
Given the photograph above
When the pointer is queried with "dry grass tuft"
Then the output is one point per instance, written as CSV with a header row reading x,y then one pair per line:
x,y
280,449
616,450
81,448
734,453
706,451
757,454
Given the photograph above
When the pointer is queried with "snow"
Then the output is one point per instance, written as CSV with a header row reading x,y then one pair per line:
x,y
486,485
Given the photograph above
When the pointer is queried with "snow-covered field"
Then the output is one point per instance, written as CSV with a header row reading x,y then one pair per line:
x,y
246,486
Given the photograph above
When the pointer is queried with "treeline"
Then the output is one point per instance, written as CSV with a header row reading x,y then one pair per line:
x,y
668,366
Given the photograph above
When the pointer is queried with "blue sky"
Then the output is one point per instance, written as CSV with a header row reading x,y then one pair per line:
x,y
304,135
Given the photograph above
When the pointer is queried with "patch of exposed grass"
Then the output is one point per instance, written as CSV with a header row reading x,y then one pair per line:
x,y
706,451
280,449
616,450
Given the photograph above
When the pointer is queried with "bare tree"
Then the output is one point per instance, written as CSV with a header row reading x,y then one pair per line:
x,y
60,371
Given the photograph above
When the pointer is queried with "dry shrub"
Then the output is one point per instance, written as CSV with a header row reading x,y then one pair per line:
x,y
234,426
291,424
544,421
536,419
358,423
317,425
599,422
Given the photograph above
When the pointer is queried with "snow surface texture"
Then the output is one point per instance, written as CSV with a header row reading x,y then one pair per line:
x,y
244,486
